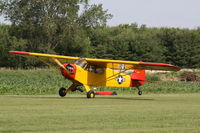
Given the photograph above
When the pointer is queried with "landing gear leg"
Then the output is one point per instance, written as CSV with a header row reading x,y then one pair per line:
x,y
63,91
139,91
77,89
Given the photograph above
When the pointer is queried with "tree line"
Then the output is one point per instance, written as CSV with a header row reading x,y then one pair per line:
x,y
76,28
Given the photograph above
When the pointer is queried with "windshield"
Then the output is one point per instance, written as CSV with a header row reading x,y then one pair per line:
x,y
81,62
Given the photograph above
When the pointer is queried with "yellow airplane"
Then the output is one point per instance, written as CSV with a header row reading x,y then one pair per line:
x,y
90,72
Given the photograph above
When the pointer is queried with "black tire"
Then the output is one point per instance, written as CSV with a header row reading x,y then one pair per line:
x,y
62,92
139,93
91,94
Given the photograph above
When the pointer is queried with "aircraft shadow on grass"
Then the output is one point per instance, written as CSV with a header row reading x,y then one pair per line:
x,y
76,97
125,98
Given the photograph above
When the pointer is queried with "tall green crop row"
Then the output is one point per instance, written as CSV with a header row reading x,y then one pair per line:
x,y
47,81
41,81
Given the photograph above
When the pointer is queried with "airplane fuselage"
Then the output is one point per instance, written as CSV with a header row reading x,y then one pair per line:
x,y
103,77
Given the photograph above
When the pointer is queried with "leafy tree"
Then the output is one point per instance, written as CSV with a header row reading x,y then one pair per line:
x,y
43,23
4,45
93,16
186,49
75,28
127,42
74,42
182,46
52,26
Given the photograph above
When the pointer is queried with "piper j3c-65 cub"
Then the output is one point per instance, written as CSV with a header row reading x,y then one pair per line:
x,y
90,72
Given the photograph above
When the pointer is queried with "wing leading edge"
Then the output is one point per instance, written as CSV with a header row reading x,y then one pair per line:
x,y
114,64
44,55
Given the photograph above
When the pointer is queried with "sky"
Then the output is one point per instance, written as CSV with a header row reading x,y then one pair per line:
x,y
153,13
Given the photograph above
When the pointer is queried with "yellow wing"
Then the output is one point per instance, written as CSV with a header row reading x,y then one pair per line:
x,y
113,64
48,59
119,64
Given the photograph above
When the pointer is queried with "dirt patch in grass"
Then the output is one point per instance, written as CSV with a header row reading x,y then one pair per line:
x,y
189,77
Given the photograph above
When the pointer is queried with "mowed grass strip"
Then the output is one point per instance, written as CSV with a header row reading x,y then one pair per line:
x,y
169,113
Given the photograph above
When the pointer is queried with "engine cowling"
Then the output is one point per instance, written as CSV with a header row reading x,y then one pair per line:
x,y
70,71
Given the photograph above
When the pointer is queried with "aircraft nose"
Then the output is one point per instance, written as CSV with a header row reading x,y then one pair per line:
x,y
70,68
69,72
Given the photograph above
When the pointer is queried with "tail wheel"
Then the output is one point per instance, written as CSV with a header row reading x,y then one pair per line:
x,y
90,94
62,92
140,92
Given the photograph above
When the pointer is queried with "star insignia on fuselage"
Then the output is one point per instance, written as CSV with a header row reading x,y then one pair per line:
x,y
120,79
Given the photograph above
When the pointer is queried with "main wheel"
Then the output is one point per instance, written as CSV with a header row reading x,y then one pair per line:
x,y
62,92
91,94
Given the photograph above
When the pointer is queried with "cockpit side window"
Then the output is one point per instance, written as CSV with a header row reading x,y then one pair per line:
x,y
94,69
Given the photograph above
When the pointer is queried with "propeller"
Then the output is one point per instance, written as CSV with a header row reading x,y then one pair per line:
x,y
67,69
59,63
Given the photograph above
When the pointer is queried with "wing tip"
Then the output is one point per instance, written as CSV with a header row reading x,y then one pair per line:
x,y
19,52
165,67
177,68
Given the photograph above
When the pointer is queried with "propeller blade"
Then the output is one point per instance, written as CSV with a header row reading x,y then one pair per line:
x,y
59,63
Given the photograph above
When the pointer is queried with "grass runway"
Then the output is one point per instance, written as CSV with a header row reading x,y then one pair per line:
x,y
150,113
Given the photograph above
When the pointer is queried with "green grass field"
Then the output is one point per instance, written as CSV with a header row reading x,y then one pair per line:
x,y
29,103
150,113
